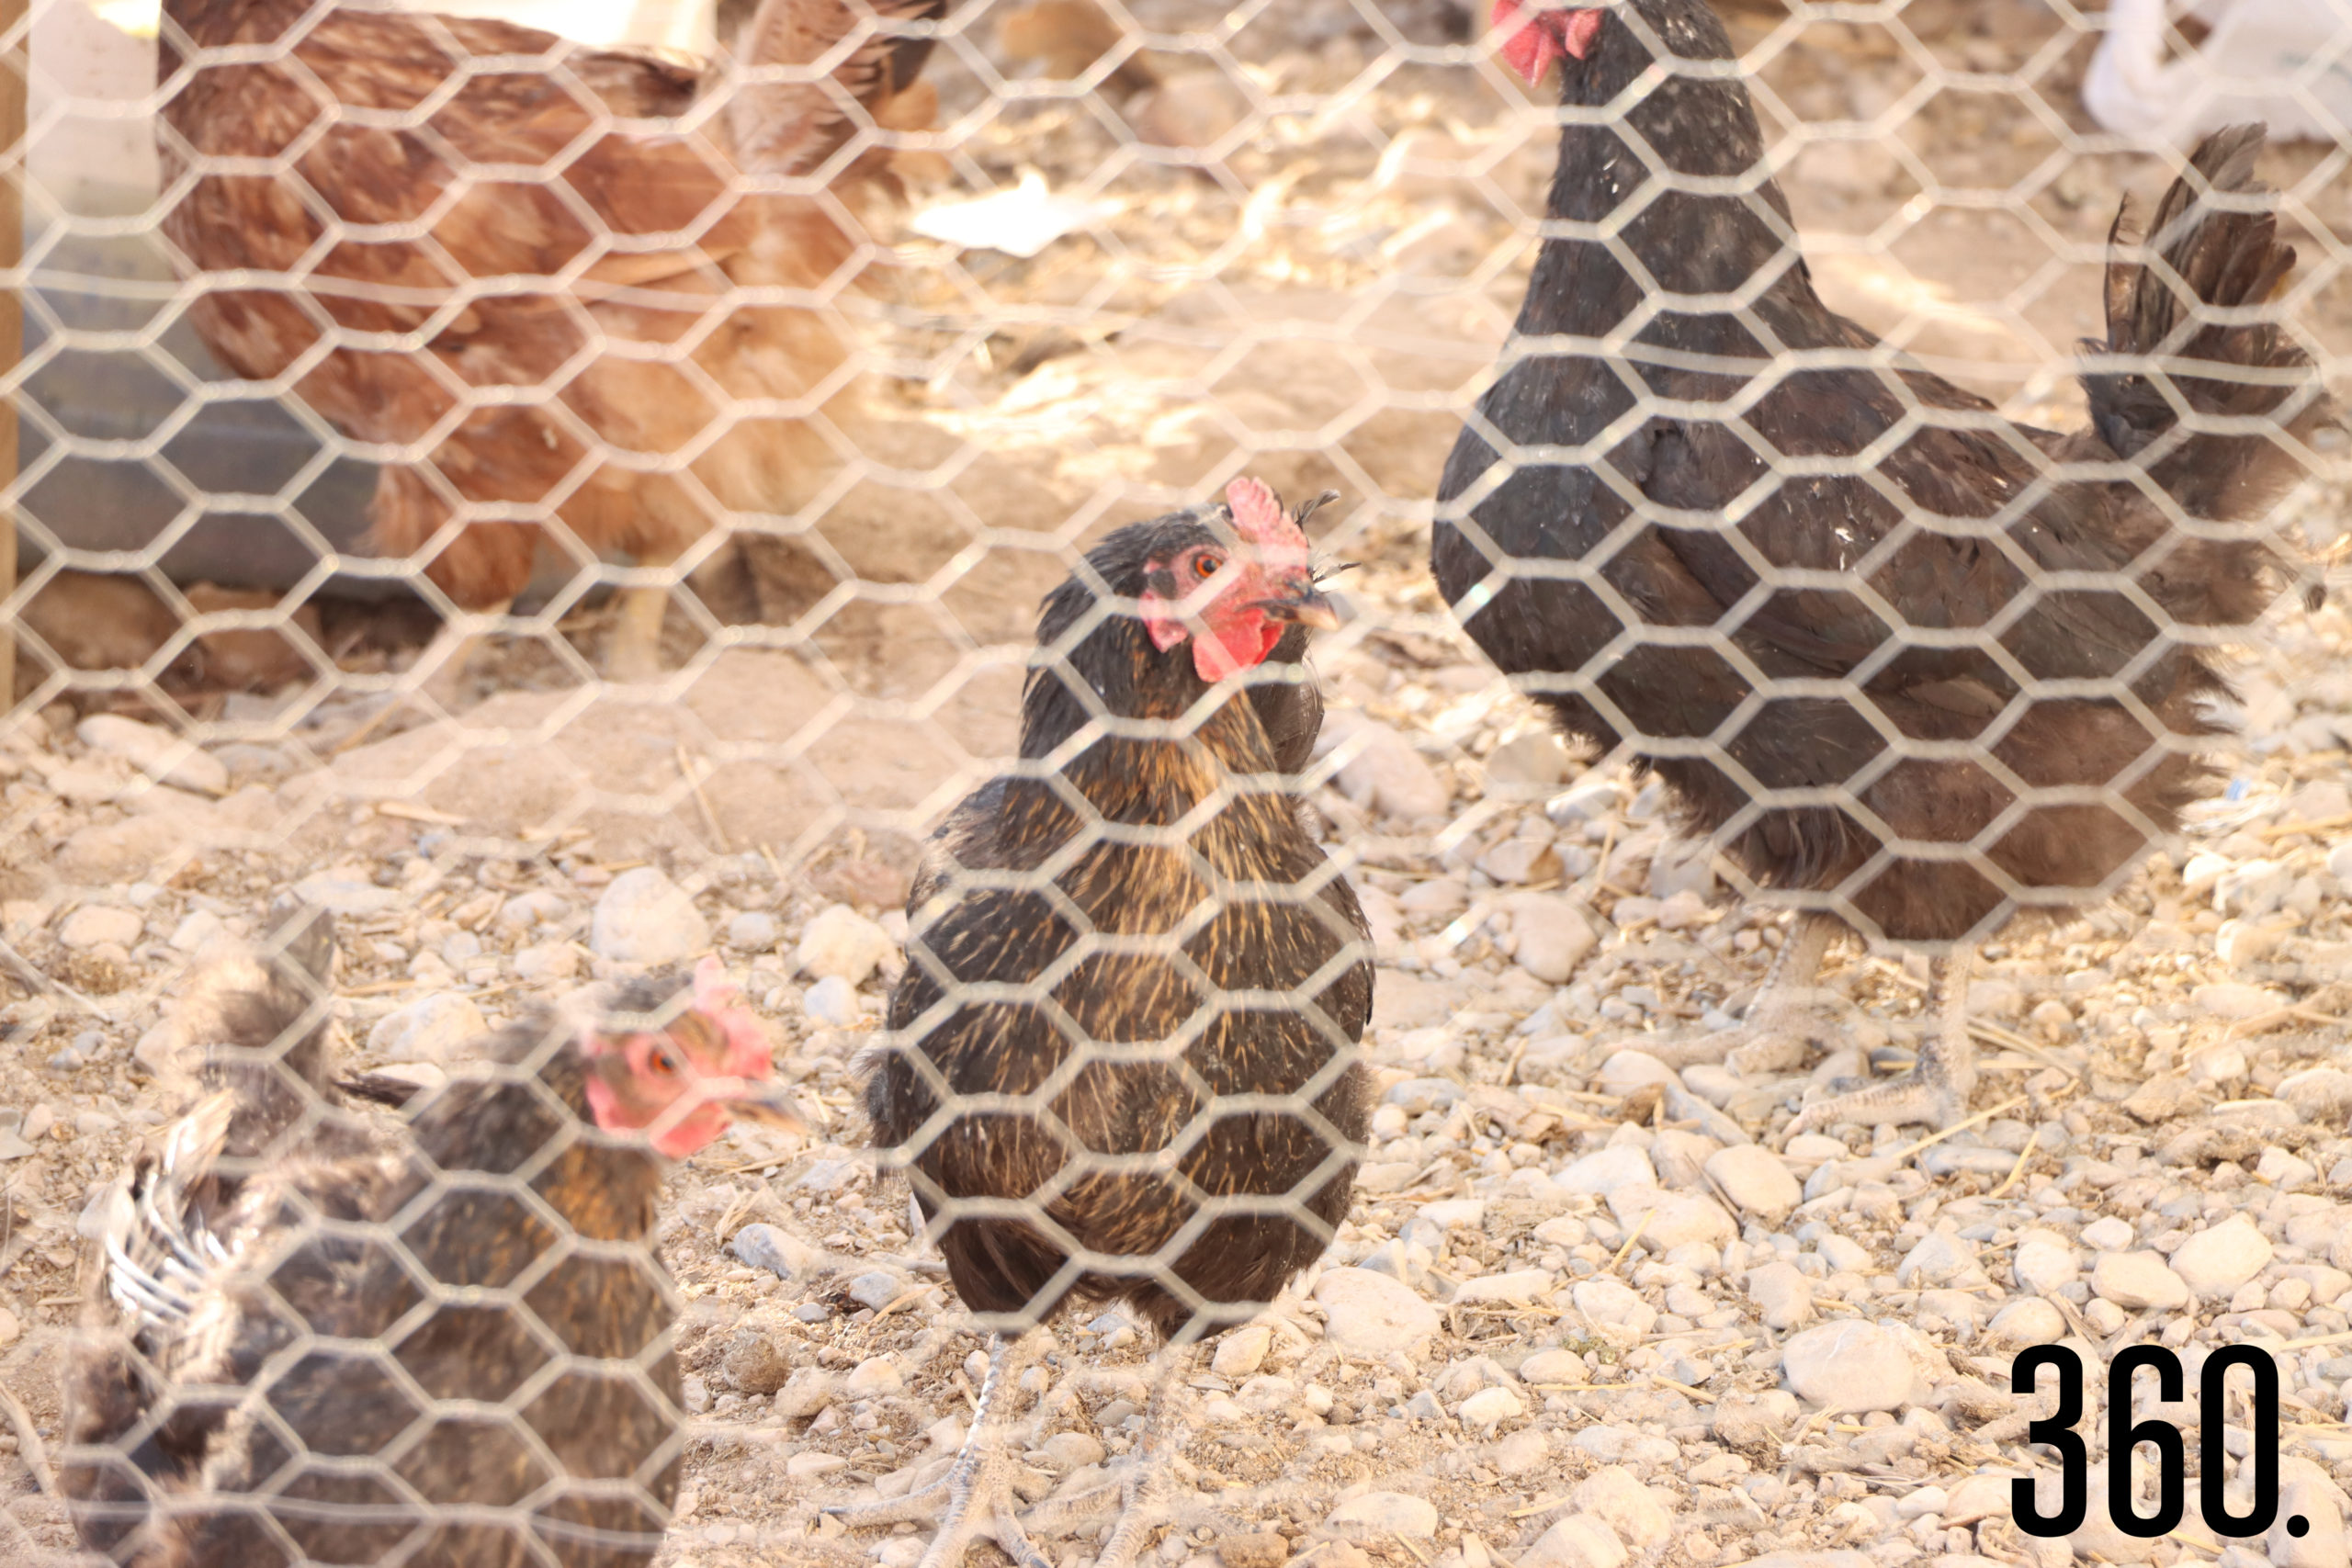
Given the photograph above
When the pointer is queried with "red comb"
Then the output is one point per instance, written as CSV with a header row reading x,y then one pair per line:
x,y
1259,515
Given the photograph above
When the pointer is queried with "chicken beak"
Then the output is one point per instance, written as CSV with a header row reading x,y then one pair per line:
x,y
1301,601
767,1101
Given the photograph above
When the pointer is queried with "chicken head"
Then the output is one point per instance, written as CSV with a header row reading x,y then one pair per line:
x,y
1535,39
1236,600
683,1082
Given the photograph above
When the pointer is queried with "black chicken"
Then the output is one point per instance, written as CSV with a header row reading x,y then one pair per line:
x,y
1904,656
1123,1060
450,1348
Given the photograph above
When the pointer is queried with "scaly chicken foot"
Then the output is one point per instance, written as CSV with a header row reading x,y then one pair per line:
x,y
974,1498
1935,1091
634,653
1789,1016
1146,1499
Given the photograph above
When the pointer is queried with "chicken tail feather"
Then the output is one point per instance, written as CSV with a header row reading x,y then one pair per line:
x,y
2218,406
792,127
256,1024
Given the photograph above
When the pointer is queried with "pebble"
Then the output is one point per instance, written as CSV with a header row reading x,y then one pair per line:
x,y
1855,1367
2030,1322
1757,1181
813,1464
1613,1305
2231,1000
872,1378
645,917
347,891
1242,1350
198,930
876,1288
1372,1315
2136,1281
804,1394
1553,935
1264,1549
150,748
1783,1294
1554,1365
546,960
754,931
1611,1494
831,1003
2045,1261
2316,1501
1384,773
93,925
1489,1407
1579,1540
751,1364
1670,1220
1519,1287
1380,1515
839,943
2215,1261
427,1030
1605,1170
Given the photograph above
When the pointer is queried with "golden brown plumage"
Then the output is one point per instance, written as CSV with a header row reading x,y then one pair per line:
x,y
548,279
255,1379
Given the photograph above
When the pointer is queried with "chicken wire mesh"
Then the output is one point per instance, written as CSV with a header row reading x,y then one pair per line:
x,y
721,429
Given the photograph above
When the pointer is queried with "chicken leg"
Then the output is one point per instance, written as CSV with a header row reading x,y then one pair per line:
x,y
1144,1500
635,651
1787,1017
974,1498
1935,1091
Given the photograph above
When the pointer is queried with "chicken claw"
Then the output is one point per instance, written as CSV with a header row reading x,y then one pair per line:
x,y
1935,1091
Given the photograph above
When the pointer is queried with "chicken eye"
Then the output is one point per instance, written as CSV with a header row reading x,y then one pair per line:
x,y
663,1063
1207,564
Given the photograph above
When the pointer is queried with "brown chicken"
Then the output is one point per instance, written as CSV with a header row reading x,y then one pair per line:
x,y
1160,1066
1919,663
445,1347
551,284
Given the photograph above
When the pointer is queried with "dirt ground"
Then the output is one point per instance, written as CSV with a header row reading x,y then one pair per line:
x,y
1315,308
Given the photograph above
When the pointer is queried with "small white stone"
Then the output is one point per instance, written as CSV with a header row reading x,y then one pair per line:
x,y
1553,935
1941,1258
1371,1313
427,1030
1519,1287
198,928
832,1003
1072,1451
546,960
1613,1495
2045,1261
2215,1261
645,917
2136,1279
1854,1366
1242,1351
2315,1500
2029,1322
1784,1295
93,925
1522,1454
1604,1171
802,1466
2232,999
840,942
1384,773
1552,1367
149,749
1670,1220
348,890
874,1377
1489,1407
2108,1234
1378,1515
1613,1305
754,931
1579,1540
1755,1180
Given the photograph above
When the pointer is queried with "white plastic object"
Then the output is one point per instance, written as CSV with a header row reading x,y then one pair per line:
x,y
2285,62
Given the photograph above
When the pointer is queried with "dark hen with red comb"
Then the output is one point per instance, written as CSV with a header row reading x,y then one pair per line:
x,y
2042,605
1154,1095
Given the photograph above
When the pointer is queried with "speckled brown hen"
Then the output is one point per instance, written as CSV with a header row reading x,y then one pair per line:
x,y
618,311
1887,643
1123,1059
451,1349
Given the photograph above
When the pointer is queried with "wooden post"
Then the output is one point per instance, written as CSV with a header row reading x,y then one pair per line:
x,y
13,173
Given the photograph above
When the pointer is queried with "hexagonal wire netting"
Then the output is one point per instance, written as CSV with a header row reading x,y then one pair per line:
x,y
562,506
